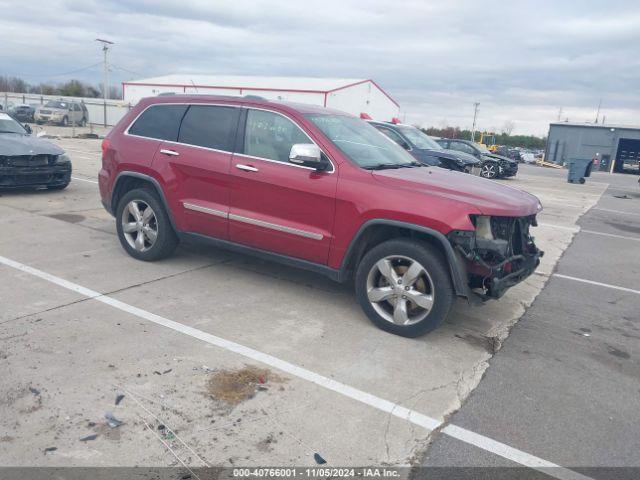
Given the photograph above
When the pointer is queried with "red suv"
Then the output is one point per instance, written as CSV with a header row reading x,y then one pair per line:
x,y
316,189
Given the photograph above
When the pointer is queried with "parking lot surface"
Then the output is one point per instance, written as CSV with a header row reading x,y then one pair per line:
x,y
565,386
83,322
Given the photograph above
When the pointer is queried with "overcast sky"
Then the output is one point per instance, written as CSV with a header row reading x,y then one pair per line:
x,y
522,60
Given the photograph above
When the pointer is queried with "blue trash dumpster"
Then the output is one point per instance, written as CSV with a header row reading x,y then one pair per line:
x,y
579,169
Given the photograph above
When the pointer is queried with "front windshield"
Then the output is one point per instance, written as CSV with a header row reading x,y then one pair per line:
x,y
9,125
56,104
361,142
420,139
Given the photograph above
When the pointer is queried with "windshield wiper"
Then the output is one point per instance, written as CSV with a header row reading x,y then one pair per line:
x,y
384,166
10,131
411,165
390,166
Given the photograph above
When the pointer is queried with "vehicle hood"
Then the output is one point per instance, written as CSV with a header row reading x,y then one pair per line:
x,y
495,156
53,109
15,144
487,197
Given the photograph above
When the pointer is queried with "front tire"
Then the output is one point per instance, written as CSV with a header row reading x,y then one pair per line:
x,y
65,121
143,226
404,287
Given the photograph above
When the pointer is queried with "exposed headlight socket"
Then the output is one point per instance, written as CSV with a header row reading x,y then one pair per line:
x,y
483,227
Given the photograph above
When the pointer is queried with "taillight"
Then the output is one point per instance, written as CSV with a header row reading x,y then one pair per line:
x,y
105,146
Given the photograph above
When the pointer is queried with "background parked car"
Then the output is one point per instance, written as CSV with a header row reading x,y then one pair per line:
x,y
493,166
23,112
512,153
63,113
425,149
28,161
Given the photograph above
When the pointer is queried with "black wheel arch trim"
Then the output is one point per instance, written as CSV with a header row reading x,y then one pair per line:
x,y
456,265
111,208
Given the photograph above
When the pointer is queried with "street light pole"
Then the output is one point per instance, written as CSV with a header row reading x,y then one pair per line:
x,y
475,115
105,84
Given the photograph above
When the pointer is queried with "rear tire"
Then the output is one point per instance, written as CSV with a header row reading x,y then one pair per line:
x,y
145,235
404,287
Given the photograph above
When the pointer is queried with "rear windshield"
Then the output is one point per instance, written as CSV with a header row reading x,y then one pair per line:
x,y
159,121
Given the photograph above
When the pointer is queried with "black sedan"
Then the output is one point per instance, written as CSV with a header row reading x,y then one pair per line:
x,y
27,161
493,166
425,149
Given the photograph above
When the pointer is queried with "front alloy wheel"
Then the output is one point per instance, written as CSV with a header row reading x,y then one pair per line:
x,y
403,285
139,225
489,170
400,290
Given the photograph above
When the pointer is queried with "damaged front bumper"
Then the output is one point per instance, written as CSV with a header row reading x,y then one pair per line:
x,y
48,175
499,254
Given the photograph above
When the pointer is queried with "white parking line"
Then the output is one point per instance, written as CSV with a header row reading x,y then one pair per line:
x,y
593,232
599,284
84,180
615,211
374,401
575,229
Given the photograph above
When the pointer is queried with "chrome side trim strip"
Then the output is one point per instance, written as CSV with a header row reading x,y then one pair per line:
x,y
275,226
253,221
210,211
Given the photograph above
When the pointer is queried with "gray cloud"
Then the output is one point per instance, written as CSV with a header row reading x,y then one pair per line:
x,y
522,60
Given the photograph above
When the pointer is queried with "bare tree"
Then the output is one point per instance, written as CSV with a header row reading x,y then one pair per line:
x,y
508,127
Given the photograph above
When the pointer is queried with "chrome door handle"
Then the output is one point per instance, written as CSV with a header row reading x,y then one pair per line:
x,y
172,153
247,168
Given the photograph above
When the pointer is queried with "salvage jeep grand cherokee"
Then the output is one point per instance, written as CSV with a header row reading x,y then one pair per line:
x,y
316,189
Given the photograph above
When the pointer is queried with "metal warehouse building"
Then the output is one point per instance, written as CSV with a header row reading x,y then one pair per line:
x,y
354,96
617,147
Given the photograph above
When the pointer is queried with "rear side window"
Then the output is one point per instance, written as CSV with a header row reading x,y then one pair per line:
x,y
159,121
211,127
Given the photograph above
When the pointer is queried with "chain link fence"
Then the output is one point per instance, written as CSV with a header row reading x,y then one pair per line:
x,y
106,113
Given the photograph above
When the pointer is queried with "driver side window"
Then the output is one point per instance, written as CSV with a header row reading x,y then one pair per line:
x,y
270,135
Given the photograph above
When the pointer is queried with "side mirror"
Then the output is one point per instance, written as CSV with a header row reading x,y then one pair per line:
x,y
27,127
308,155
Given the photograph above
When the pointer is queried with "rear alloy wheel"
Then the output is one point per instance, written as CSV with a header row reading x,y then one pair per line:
x,y
139,225
404,287
143,226
489,170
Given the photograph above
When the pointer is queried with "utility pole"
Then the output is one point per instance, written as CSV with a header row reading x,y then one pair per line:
x,y
105,85
475,115
598,111
560,114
